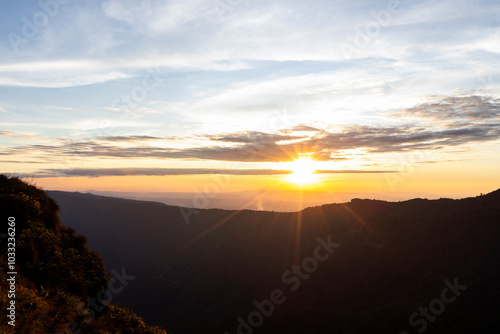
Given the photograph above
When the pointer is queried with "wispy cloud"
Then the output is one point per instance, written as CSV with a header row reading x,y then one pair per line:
x,y
78,72
112,40
57,107
426,80
253,137
456,109
16,134
448,130
129,138
157,16
101,172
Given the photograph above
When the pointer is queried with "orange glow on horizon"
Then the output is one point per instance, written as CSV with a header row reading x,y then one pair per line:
x,y
433,181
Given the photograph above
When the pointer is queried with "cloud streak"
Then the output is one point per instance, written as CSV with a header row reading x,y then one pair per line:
x,y
103,172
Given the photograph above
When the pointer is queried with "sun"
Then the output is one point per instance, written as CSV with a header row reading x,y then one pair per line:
x,y
303,171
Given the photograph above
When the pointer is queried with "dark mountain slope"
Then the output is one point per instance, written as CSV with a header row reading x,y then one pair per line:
x,y
57,275
393,259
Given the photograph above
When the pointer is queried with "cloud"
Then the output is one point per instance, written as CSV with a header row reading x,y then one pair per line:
x,y
157,16
395,139
57,107
16,134
302,127
101,172
468,108
62,73
19,162
58,79
128,138
448,130
252,137
201,34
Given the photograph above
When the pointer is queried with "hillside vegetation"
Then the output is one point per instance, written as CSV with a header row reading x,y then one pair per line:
x,y
58,275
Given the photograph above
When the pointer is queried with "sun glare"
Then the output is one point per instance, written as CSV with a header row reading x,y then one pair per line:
x,y
302,171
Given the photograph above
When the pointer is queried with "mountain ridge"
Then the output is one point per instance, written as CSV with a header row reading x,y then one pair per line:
x,y
492,194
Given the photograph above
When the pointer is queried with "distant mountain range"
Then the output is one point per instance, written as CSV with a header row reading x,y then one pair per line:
x,y
262,200
366,266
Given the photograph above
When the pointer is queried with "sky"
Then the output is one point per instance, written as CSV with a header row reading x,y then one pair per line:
x,y
223,95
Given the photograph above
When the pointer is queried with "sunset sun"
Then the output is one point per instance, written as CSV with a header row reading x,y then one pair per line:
x,y
303,171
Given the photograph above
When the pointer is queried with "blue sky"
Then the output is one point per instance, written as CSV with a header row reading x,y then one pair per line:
x,y
82,81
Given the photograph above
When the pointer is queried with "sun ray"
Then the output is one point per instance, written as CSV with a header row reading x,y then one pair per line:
x,y
298,231
221,222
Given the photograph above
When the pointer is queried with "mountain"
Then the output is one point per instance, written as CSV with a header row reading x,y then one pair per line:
x,y
50,281
365,266
266,200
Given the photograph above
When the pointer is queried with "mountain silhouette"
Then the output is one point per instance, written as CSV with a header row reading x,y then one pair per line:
x,y
398,267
